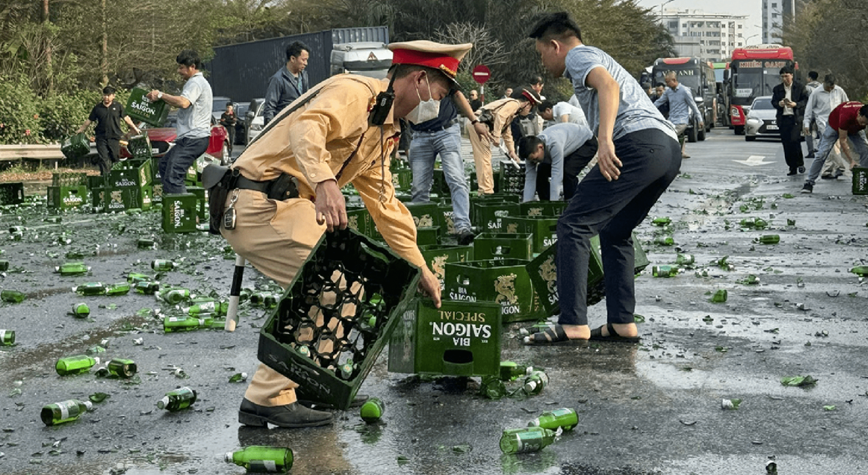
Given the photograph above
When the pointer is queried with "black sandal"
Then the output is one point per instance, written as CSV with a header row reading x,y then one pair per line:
x,y
552,334
597,334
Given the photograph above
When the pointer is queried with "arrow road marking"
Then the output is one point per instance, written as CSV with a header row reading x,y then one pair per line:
x,y
754,160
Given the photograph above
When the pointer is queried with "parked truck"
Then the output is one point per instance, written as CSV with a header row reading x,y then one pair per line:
x,y
242,71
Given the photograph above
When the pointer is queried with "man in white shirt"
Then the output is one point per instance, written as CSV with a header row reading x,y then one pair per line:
x,y
562,112
820,104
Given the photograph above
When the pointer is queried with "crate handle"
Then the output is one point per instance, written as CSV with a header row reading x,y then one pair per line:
x,y
502,250
374,253
458,357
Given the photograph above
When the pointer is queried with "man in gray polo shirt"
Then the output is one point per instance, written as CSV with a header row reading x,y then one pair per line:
x,y
681,104
559,152
194,122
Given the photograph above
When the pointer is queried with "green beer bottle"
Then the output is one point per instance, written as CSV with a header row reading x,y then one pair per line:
x,y
664,271
145,243
257,299
564,417
72,269
664,240
65,411
175,295
12,296
372,410
861,271
208,306
135,277
719,296
4,265
259,459
535,383
769,239
684,259
492,387
80,310
147,288
122,368
95,350
162,265
510,371
184,324
90,288
529,439
7,337
661,221
75,364
178,399
122,288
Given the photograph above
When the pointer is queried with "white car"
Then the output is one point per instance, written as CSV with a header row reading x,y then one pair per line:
x,y
255,121
761,120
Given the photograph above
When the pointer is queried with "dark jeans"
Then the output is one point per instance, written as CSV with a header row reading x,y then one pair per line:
x,y
174,165
651,160
791,133
543,187
108,153
230,131
574,163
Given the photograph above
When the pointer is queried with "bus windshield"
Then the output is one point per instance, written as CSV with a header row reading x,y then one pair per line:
x,y
753,82
689,78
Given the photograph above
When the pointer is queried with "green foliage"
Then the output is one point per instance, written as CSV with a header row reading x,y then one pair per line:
x,y
62,114
19,112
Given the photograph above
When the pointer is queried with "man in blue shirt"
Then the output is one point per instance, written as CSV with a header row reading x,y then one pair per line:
x,y
681,105
443,136
288,83
637,158
560,152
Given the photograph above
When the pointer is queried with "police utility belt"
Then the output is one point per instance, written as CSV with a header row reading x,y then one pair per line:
x,y
220,180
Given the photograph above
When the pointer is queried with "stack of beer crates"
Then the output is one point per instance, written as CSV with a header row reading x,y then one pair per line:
x,y
68,190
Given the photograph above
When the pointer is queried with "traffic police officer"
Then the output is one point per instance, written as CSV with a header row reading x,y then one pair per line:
x,y
325,140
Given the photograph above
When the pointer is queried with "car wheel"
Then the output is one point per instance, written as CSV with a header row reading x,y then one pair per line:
x,y
739,129
701,135
691,133
749,138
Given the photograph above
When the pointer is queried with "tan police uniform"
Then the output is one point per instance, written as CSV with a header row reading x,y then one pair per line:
x,y
504,111
312,144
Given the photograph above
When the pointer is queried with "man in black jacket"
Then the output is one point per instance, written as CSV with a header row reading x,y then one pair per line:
x,y
289,82
790,98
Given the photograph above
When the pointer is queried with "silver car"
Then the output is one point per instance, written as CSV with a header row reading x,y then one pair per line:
x,y
761,120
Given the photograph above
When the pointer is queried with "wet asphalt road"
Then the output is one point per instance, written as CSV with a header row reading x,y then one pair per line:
x,y
648,409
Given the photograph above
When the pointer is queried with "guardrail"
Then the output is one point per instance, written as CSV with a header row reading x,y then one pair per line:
x,y
30,152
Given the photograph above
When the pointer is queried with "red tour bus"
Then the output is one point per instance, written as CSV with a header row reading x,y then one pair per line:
x,y
753,72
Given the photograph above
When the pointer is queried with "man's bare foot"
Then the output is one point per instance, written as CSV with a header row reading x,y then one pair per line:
x,y
627,330
577,332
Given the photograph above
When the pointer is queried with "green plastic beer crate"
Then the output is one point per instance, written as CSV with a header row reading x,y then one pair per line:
x,y
425,215
860,181
488,216
192,178
75,147
131,174
358,220
445,213
11,193
436,256
505,282
511,178
544,230
532,209
139,147
120,199
69,179
157,193
142,109
402,179
428,236
99,197
202,198
458,339
439,185
97,181
180,212
67,197
543,273
345,277
503,246
474,184
155,170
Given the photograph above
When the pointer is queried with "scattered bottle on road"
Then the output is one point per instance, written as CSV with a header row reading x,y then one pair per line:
x,y
535,383
135,277
90,288
122,288
720,296
565,418
664,271
122,368
174,296
664,240
80,310
75,364
861,271
147,288
4,265
65,411
185,324
528,439
12,296
178,399
492,387
684,259
661,221
372,410
769,239
259,459
146,243
7,337
163,265
70,269
510,371
208,306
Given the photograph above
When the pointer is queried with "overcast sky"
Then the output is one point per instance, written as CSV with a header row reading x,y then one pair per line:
x,y
751,8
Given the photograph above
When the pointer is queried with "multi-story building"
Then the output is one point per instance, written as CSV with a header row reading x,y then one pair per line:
x,y
777,14
708,36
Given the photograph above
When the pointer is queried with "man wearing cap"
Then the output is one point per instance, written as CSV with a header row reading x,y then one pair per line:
x,y
637,158
341,131
500,114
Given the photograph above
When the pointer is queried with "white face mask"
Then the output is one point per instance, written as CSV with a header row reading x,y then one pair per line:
x,y
426,110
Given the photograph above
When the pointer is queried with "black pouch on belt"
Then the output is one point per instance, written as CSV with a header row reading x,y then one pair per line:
x,y
283,187
219,181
